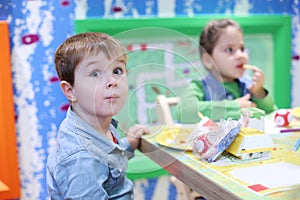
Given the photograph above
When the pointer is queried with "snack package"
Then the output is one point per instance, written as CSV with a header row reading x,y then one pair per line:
x,y
209,141
254,118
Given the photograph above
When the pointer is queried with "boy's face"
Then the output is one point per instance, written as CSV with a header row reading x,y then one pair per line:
x,y
229,55
100,87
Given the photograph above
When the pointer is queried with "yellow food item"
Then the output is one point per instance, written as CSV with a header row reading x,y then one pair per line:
x,y
248,66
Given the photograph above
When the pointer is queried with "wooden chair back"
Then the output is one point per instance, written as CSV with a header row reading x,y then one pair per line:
x,y
163,109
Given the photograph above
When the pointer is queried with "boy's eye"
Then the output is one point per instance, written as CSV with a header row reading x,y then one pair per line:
x,y
118,71
95,74
229,50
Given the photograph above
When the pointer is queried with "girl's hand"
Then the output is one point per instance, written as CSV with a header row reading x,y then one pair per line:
x,y
244,102
257,87
135,133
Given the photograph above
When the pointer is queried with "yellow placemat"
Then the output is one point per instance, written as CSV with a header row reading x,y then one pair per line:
x,y
283,165
176,138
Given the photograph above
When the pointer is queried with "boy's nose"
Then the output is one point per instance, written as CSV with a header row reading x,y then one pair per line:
x,y
112,83
240,53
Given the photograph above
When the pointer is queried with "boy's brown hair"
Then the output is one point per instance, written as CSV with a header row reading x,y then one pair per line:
x,y
212,32
70,54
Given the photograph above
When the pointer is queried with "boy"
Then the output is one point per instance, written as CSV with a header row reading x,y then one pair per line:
x,y
90,158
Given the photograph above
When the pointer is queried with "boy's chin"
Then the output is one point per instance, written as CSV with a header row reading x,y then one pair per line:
x,y
115,112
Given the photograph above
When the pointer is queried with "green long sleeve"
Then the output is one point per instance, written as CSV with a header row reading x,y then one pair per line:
x,y
192,101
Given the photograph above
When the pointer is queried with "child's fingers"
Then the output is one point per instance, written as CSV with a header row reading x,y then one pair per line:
x,y
253,68
138,130
146,131
247,96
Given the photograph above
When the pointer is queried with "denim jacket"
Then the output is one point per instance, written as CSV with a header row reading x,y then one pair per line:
x,y
86,165
214,90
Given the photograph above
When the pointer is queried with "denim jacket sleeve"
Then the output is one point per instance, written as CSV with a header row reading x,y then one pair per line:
x,y
125,144
76,178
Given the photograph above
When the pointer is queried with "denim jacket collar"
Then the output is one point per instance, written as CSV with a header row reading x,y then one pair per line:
x,y
85,130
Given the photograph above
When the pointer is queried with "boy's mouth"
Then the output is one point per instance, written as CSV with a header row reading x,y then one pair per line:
x,y
111,97
114,96
241,66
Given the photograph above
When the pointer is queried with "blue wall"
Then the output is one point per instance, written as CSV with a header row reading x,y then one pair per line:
x,y
37,27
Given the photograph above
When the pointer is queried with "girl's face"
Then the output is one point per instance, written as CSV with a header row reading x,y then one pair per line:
x,y
100,87
229,55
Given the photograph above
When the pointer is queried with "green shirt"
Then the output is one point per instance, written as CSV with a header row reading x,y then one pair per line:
x,y
192,101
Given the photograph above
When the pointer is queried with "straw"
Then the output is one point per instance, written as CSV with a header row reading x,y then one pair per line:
x,y
201,116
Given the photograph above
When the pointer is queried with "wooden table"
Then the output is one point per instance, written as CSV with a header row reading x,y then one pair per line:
x,y
211,183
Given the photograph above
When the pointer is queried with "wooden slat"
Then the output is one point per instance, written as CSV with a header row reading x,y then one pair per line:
x,y
192,178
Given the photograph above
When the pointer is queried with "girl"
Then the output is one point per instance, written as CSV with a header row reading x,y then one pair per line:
x,y
222,94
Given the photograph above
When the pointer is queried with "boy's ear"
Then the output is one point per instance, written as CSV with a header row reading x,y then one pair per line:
x,y
67,90
207,61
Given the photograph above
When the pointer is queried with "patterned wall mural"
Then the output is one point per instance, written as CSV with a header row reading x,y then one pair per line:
x,y
37,27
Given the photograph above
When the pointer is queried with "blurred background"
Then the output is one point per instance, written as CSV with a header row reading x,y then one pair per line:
x,y
38,27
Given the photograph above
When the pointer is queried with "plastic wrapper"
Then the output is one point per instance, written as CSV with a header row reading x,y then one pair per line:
x,y
253,117
210,139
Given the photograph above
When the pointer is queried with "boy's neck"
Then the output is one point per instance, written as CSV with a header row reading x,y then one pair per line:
x,y
102,125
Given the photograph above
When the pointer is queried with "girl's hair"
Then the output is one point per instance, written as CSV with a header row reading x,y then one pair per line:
x,y
212,32
78,47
